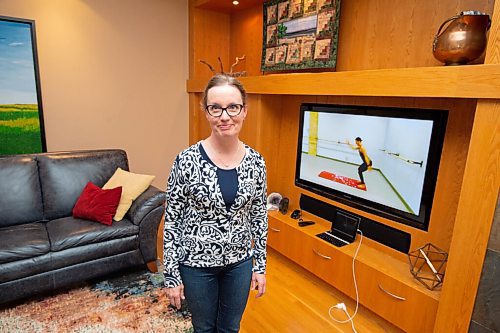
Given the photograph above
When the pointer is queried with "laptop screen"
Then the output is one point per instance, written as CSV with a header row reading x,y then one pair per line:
x,y
345,226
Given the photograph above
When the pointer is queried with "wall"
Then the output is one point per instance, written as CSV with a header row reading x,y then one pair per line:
x,y
113,76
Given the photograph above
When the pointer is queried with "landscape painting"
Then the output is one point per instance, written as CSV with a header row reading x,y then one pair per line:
x,y
21,117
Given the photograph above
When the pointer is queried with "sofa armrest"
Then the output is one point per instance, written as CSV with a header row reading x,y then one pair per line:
x,y
148,234
146,212
145,203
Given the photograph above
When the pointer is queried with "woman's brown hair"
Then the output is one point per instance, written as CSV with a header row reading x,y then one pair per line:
x,y
222,80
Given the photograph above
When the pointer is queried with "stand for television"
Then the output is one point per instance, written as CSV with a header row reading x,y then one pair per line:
x,y
385,284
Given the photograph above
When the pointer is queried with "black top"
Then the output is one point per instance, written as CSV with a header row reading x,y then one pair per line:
x,y
227,179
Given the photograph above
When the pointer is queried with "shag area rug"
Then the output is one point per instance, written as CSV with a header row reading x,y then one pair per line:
x,y
130,302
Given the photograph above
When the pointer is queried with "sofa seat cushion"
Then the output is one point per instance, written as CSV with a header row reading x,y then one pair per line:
x,y
23,241
68,232
56,260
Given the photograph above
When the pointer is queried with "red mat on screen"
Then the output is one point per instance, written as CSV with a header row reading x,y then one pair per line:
x,y
341,179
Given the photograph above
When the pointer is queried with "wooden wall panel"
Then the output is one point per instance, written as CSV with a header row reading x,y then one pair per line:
x,y
194,118
387,34
199,128
208,39
255,131
268,118
246,39
287,153
493,48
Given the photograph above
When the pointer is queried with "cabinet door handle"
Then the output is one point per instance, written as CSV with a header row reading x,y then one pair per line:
x,y
274,229
391,294
321,255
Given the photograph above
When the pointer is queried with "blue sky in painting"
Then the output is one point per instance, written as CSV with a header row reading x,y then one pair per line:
x,y
17,73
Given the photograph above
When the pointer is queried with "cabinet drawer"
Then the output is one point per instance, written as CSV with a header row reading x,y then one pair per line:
x,y
330,264
408,308
278,236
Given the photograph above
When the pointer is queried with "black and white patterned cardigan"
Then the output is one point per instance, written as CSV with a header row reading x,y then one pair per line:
x,y
199,231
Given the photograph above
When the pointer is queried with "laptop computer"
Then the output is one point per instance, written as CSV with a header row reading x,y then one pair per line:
x,y
344,229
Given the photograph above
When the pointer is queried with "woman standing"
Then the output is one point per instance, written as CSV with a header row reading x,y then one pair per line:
x,y
216,221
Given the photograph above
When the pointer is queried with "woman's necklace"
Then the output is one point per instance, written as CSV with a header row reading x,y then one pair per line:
x,y
232,156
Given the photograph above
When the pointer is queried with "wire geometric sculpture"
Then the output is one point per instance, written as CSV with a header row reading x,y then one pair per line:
x,y
427,265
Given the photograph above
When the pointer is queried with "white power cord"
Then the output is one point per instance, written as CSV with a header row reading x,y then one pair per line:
x,y
341,306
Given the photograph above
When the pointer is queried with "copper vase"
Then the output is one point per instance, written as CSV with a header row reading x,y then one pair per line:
x,y
463,40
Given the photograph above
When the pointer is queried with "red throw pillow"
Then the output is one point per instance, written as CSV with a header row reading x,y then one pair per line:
x,y
96,204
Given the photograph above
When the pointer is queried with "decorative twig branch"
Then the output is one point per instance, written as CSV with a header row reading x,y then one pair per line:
x,y
221,67
231,73
209,66
236,63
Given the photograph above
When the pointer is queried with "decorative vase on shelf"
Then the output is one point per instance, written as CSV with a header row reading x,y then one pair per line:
x,y
464,38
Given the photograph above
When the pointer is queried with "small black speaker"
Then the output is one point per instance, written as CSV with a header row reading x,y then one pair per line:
x,y
317,207
389,236
283,205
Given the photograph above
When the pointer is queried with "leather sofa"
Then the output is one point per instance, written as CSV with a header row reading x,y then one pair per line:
x,y
42,247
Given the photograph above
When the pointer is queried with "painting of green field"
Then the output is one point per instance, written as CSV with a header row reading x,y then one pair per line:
x,y
20,129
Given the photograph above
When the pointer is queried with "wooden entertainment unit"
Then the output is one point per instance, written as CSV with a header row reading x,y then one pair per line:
x,y
384,59
385,285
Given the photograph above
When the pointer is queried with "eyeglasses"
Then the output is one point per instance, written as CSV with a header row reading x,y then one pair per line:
x,y
232,110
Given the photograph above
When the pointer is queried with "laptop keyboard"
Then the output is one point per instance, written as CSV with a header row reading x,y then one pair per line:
x,y
331,239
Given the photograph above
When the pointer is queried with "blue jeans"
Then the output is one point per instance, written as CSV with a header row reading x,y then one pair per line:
x,y
217,296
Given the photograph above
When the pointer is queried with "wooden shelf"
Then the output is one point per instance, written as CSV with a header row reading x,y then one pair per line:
x,y
470,81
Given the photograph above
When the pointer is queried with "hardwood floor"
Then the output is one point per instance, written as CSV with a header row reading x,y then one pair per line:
x,y
298,301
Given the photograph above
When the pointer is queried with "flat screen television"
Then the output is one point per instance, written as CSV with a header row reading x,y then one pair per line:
x,y
382,160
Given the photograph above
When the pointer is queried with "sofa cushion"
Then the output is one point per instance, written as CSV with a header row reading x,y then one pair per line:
x,y
19,189
66,277
68,232
133,184
23,241
64,175
25,267
96,204
55,260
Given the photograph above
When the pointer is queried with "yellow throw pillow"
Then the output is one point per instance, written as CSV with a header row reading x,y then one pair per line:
x,y
132,184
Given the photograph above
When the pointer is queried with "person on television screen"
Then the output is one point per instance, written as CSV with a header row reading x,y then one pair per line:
x,y
215,230
367,162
